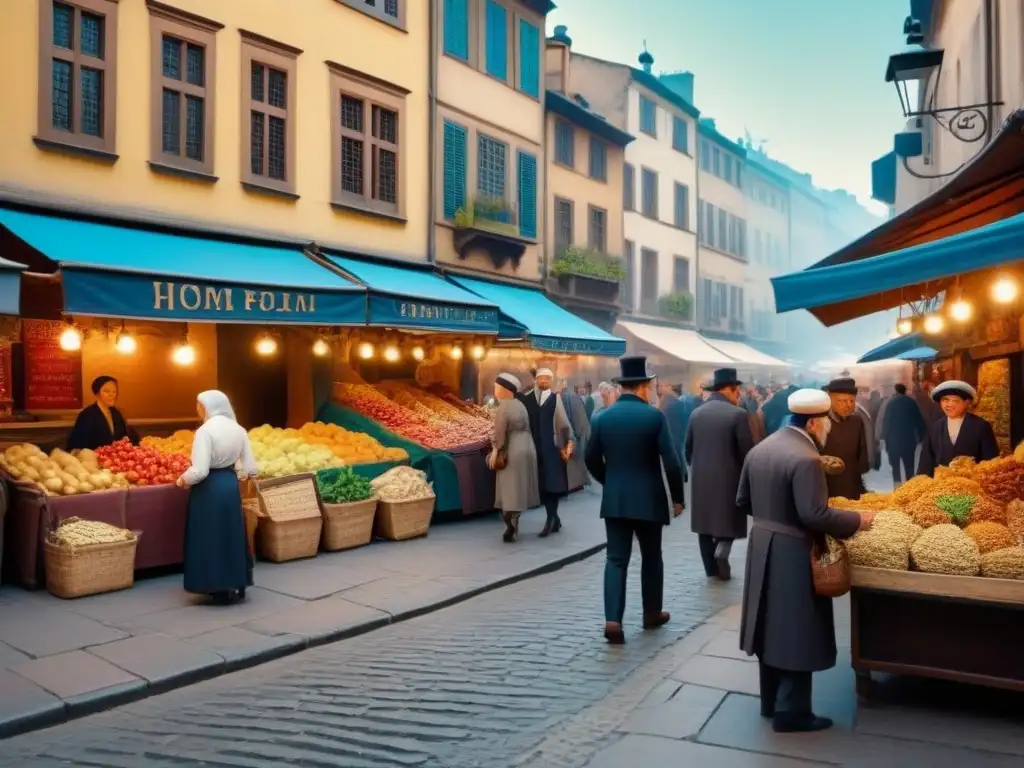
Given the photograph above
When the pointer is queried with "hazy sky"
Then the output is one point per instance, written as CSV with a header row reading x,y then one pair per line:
x,y
806,76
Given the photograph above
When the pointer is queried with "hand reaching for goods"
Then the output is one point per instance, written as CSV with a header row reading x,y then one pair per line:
x,y
867,519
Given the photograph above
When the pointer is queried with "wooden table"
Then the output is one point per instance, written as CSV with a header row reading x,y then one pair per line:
x,y
963,628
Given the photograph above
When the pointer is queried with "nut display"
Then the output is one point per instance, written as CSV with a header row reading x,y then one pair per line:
x,y
877,549
75,532
945,549
1003,563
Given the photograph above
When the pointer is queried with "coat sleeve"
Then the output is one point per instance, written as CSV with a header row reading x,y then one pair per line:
x,y
810,491
920,428
81,432
593,455
743,491
926,464
670,459
744,436
864,454
989,448
688,443
500,428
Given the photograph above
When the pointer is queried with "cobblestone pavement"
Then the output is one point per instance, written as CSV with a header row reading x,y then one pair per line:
x,y
478,684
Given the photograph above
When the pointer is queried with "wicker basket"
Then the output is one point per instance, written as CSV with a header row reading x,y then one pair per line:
x,y
90,569
349,525
830,568
282,540
398,520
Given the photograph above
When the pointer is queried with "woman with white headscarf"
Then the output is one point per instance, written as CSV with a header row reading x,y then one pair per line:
x,y
516,487
217,559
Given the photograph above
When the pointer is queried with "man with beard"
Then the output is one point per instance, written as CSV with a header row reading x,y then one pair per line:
x,y
847,440
553,438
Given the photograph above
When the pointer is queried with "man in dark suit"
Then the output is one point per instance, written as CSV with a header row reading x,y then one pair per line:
x,y
629,444
902,430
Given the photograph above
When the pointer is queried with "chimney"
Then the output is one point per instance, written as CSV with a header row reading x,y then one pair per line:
x,y
557,53
646,60
680,83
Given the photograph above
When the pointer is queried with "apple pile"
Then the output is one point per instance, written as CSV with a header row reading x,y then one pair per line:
x,y
142,465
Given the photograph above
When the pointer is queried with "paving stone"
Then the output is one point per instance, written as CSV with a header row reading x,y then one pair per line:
x,y
403,595
147,596
633,751
726,645
956,729
41,630
239,646
724,674
681,717
309,579
320,620
661,693
198,619
159,659
10,656
24,705
75,673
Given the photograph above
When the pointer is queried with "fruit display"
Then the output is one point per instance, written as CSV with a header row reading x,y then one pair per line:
x,y
74,532
402,484
60,473
993,403
142,465
350,447
179,442
281,452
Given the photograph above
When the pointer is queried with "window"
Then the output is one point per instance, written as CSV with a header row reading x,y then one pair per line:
x,y
757,245
648,117
648,275
78,76
628,187
711,238
741,229
454,193
681,274
598,159
705,155
680,135
565,144
182,91
649,193
491,169
366,142
722,240
529,59
597,229
456,28
527,187
626,289
389,11
682,206
496,39
727,167
563,223
268,106
716,162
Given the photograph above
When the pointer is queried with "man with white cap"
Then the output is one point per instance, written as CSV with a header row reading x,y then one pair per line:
x,y
958,432
555,443
785,623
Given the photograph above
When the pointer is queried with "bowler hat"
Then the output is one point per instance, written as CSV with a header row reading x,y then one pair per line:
x,y
633,370
843,386
723,377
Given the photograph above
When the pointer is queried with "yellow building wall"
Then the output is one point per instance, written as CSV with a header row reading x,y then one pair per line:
x,y
324,30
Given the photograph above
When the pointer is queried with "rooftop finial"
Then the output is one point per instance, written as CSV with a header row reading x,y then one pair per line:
x,y
646,59
562,35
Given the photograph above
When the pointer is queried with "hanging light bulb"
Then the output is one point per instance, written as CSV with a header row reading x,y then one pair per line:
x,y
934,324
321,348
365,350
125,343
418,354
1005,290
391,354
961,310
266,345
456,352
184,354
71,339
904,326
478,352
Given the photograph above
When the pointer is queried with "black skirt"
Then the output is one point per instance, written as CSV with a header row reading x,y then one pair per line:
x,y
216,552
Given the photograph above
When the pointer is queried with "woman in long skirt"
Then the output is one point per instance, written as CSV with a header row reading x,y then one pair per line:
x,y
217,558
516,487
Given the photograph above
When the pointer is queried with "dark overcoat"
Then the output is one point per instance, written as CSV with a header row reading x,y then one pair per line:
x,y
575,409
718,439
848,441
629,444
784,623
551,470
902,427
92,431
677,415
976,439
776,410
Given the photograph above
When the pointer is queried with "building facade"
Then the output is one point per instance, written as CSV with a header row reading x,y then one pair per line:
x,y
221,116
768,244
489,137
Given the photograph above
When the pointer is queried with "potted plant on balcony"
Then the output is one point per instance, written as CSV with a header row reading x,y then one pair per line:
x,y
588,273
489,224
492,213
676,306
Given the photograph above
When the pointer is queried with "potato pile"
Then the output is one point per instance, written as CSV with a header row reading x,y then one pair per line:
x,y
60,473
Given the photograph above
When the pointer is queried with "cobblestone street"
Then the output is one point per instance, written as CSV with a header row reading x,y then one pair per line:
x,y
477,684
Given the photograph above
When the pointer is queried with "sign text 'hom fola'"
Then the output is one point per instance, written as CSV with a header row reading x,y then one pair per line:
x,y
192,297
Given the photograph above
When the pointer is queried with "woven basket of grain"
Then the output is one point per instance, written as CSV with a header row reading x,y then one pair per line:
x,y
1015,520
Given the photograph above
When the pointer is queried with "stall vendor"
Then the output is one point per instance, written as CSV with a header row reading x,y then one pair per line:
x,y
847,440
101,423
958,432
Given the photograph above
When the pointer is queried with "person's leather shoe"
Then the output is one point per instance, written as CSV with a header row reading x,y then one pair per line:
x,y
655,620
613,633
767,710
788,722
548,525
557,526
724,569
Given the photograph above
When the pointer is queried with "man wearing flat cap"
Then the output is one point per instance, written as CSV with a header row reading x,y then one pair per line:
x,y
718,439
555,444
958,432
847,440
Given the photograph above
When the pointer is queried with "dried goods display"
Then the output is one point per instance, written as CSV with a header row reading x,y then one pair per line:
x,y
1003,563
1001,478
994,398
74,532
945,549
1015,519
833,465
402,484
990,536
141,465
60,473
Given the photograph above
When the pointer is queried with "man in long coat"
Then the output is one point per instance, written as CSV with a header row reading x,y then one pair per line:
x,y
552,436
847,440
718,439
785,624
675,413
576,410
629,446
901,426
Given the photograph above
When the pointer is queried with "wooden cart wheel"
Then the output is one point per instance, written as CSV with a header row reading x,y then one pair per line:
x,y
865,687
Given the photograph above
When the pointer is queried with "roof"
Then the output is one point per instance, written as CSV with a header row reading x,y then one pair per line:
x,y
652,83
894,348
540,6
682,343
562,105
708,130
755,164
745,354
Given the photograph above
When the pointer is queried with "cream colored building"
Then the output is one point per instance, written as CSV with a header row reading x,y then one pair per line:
x,y
768,232
238,116
660,176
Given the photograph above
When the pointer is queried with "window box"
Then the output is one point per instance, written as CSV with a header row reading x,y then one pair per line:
x,y
676,306
489,224
588,274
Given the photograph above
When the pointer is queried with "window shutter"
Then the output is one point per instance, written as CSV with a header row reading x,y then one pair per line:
x,y
497,37
454,168
527,195
529,58
456,28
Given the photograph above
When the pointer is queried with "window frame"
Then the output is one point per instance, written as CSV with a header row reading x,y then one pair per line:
x,y
480,136
677,263
596,214
655,215
629,187
571,208
653,132
565,129
377,13
678,186
373,92
270,53
202,32
678,124
644,253
48,136
627,287
596,143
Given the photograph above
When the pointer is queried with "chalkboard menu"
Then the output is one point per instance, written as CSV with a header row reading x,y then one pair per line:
x,y
53,377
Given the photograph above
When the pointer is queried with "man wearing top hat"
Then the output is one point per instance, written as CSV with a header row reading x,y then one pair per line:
x,y
555,443
718,439
630,442
958,432
847,440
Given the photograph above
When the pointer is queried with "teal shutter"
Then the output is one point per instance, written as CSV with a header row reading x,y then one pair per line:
x,y
497,40
456,28
527,195
529,58
454,168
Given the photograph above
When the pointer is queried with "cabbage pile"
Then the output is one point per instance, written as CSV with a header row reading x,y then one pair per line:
x,y
280,452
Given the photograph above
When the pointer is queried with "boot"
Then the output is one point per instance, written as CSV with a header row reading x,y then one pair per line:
x,y
613,633
549,525
655,619
557,526
792,722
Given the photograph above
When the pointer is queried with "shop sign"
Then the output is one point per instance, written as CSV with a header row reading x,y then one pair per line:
x,y
612,347
409,313
53,377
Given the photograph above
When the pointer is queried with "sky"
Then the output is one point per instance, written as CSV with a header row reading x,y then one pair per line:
x,y
804,76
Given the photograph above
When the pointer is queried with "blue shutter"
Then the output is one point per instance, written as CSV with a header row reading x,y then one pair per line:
x,y
454,168
497,40
456,28
527,195
529,58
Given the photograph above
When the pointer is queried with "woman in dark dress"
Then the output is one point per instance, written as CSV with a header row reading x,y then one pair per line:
x,y
958,432
101,423
217,558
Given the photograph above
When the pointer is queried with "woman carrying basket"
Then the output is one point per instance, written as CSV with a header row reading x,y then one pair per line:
x,y
514,456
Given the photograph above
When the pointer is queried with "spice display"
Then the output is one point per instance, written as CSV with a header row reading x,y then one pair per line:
x,y
909,492
402,484
989,510
958,508
1015,520
945,549
141,465
1003,563
75,532
876,549
342,486
990,536
60,473
1000,478
993,402
869,502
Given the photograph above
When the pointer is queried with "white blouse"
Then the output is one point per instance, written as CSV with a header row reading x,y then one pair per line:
x,y
219,443
953,426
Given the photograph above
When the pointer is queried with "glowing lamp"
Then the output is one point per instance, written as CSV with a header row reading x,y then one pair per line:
x,y
904,326
1004,290
365,351
456,353
71,339
184,354
961,310
418,354
125,343
934,324
321,348
391,354
478,352
266,346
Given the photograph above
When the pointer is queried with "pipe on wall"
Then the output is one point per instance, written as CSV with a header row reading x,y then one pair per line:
x,y
991,70
432,132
